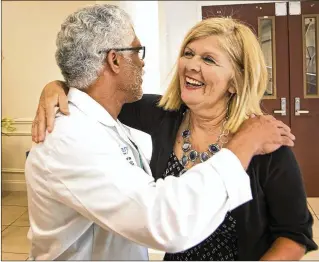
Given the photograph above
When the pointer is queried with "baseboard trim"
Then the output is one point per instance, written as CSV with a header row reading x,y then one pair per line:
x,y
13,179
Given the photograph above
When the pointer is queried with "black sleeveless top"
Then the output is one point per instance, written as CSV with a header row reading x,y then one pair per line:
x,y
221,245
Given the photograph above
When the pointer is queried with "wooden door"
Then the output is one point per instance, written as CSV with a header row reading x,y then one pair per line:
x,y
281,37
304,90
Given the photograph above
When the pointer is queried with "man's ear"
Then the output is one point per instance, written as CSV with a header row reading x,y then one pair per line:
x,y
113,62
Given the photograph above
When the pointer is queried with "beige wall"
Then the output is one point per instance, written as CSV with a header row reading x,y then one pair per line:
x,y
29,30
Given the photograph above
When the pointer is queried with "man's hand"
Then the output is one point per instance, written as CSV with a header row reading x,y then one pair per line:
x,y
53,95
266,134
259,135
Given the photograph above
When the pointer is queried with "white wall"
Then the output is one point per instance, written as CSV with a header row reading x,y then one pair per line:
x,y
176,18
146,23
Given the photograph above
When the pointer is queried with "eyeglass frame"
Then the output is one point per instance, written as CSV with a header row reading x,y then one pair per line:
x,y
138,48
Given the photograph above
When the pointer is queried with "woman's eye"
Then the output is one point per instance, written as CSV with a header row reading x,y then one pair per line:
x,y
209,60
188,54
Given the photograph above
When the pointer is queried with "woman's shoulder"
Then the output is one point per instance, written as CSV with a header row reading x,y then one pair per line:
x,y
275,165
150,98
146,114
281,156
150,104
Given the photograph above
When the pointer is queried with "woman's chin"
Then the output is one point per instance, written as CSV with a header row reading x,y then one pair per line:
x,y
189,99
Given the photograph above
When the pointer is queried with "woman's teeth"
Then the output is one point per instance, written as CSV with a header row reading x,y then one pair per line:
x,y
193,83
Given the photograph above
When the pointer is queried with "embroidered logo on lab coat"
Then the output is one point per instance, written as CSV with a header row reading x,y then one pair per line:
x,y
128,155
124,150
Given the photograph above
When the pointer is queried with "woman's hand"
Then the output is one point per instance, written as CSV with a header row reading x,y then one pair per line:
x,y
53,95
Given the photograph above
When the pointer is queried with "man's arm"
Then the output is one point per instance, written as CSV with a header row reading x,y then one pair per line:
x,y
172,215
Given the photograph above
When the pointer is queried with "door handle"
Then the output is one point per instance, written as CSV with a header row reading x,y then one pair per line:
x,y
282,111
298,112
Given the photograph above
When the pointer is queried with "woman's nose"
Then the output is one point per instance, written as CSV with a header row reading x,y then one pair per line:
x,y
193,64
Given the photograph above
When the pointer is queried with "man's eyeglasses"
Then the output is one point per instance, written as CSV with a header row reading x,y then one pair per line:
x,y
139,49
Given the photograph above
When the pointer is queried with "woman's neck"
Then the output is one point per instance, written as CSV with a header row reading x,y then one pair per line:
x,y
203,122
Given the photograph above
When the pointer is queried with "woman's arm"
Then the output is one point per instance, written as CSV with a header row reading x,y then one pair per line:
x,y
290,220
53,95
143,115
284,249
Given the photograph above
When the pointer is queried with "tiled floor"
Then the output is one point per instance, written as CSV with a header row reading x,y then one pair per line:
x,y
15,225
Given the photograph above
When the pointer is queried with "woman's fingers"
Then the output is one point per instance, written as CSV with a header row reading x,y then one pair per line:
x,y
41,124
63,104
50,104
34,130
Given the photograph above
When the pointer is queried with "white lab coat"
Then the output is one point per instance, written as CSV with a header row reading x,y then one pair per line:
x,y
89,199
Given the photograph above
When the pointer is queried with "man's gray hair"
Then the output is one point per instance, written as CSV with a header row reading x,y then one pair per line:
x,y
83,39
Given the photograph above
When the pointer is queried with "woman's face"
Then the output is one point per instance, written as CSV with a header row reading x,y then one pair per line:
x,y
204,73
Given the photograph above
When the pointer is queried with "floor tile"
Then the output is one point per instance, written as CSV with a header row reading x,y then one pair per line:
x,y
23,220
155,256
10,213
315,228
314,255
310,209
14,256
314,203
3,227
16,199
5,193
14,240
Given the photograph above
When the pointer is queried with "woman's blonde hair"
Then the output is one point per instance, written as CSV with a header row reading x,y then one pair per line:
x,y
250,74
